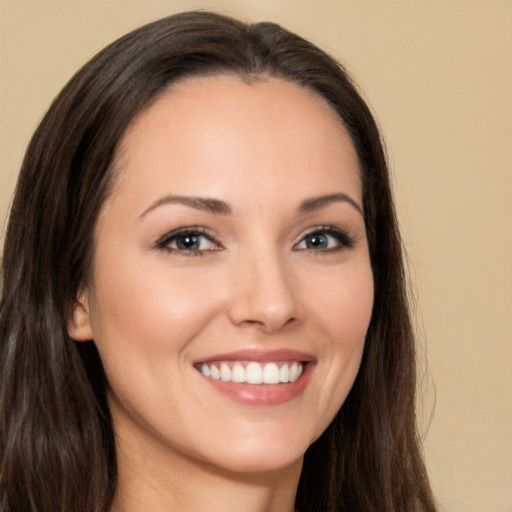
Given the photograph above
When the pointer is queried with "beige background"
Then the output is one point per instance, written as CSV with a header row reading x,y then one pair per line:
x,y
439,77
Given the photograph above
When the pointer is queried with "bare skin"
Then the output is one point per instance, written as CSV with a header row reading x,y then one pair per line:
x,y
233,235
156,485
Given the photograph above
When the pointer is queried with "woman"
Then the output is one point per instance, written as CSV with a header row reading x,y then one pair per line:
x,y
203,300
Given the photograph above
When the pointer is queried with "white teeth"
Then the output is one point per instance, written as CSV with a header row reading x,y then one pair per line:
x,y
271,374
214,372
253,372
205,370
284,373
225,372
238,373
294,372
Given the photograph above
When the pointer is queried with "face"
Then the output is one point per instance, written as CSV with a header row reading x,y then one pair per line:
x,y
231,288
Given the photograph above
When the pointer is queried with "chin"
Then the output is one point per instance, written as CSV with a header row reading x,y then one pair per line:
x,y
260,454
268,461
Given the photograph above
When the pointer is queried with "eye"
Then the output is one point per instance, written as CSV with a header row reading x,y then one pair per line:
x,y
325,239
188,241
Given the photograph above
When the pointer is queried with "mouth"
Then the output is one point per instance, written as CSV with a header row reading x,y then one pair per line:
x,y
258,377
253,372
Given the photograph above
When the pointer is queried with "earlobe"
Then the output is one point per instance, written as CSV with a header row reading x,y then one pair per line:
x,y
79,325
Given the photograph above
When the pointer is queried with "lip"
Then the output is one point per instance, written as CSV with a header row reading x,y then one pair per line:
x,y
260,356
262,394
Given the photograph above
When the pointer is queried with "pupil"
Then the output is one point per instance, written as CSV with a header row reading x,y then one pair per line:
x,y
317,241
187,242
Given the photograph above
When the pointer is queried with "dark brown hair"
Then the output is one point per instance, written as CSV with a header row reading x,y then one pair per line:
x,y
57,446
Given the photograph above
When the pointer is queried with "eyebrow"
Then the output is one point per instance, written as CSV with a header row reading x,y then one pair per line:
x,y
219,207
317,203
204,204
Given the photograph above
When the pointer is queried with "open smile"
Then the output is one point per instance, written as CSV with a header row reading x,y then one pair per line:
x,y
253,372
258,378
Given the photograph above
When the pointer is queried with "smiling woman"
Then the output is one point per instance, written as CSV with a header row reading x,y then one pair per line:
x,y
203,299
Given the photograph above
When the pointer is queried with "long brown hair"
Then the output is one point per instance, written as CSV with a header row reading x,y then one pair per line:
x,y
57,448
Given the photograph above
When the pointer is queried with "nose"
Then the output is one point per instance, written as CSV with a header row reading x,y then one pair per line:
x,y
264,294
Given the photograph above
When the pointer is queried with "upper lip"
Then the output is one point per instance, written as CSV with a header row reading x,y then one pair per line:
x,y
260,356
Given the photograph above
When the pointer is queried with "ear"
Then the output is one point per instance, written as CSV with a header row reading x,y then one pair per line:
x,y
79,325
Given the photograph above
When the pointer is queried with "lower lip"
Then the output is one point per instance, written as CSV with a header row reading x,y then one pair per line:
x,y
263,394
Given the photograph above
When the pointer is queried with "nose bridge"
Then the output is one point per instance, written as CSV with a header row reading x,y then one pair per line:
x,y
263,291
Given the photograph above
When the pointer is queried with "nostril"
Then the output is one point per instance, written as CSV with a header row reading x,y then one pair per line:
x,y
267,300
270,324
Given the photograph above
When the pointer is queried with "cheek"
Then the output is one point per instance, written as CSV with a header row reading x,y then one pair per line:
x,y
342,317
344,304
150,310
145,323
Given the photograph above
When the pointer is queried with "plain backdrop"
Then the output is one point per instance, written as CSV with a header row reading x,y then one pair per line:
x,y
438,76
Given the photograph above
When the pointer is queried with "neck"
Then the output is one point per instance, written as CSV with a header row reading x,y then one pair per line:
x,y
161,480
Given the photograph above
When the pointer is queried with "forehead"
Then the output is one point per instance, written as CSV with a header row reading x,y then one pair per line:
x,y
215,130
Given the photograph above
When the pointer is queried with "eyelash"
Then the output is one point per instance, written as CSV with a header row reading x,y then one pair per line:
x,y
190,231
344,240
341,236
